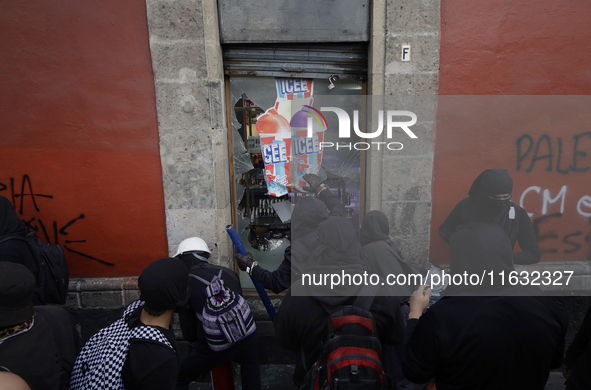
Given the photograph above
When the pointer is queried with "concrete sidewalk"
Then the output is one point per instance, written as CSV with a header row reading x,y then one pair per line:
x,y
278,377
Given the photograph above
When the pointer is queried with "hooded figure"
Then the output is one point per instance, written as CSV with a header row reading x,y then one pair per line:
x,y
302,322
199,358
36,342
308,213
490,201
379,253
484,342
16,251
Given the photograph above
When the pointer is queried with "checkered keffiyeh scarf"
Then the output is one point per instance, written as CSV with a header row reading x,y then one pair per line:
x,y
101,360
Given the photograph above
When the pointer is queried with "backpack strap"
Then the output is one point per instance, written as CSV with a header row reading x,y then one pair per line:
x,y
12,237
206,282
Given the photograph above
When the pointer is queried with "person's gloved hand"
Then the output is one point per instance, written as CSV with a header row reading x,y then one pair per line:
x,y
315,185
244,261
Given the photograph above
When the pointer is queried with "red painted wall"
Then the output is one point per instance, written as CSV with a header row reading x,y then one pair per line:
x,y
517,47
79,149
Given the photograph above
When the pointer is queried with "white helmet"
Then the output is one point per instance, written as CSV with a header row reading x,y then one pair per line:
x,y
192,244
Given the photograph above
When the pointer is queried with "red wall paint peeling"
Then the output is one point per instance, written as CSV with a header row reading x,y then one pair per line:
x,y
78,118
517,48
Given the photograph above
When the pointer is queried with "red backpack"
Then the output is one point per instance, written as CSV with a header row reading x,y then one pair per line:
x,y
352,354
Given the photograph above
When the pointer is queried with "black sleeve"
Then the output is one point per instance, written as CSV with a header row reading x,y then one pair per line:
x,y
386,311
334,205
421,349
231,280
189,324
580,342
453,220
150,366
278,280
162,378
65,338
283,322
530,251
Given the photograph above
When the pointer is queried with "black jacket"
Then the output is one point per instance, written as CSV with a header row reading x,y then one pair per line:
x,y
480,208
485,343
378,251
44,355
578,356
302,322
301,325
191,326
150,365
278,280
16,251
307,216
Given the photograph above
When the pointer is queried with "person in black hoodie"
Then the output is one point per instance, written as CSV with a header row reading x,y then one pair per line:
x,y
485,338
36,342
577,361
490,201
199,358
380,254
307,215
382,257
301,323
16,251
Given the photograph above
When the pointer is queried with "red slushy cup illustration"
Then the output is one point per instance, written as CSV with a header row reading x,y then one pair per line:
x,y
307,153
276,148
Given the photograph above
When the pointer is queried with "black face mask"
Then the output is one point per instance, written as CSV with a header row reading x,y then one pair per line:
x,y
496,204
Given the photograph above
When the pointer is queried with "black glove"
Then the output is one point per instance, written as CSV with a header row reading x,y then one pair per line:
x,y
244,261
315,184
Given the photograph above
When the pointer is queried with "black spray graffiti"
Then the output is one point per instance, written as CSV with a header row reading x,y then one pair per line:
x,y
51,232
549,156
545,154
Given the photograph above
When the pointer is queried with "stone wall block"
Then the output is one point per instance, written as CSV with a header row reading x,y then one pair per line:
x,y
407,218
101,298
187,167
417,84
182,105
412,16
413,246
184,223
181,62
180,19
407,179
424,54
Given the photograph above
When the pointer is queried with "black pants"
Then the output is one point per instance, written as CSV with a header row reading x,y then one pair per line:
x,y
194,363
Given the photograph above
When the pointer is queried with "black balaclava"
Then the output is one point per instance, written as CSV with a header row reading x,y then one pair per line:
x,y
338,243
164,284
490,183
476,248
10,223
308,213
375,227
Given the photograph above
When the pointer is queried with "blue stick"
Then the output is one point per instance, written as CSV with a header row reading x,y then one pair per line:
x,y
260,289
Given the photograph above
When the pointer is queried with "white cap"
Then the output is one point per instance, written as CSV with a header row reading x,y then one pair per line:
x,y
192,244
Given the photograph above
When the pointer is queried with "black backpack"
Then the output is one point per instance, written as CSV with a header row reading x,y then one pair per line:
x,y
352,354
52,275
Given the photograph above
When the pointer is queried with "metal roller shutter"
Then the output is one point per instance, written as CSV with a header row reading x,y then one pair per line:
x,y
296,60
